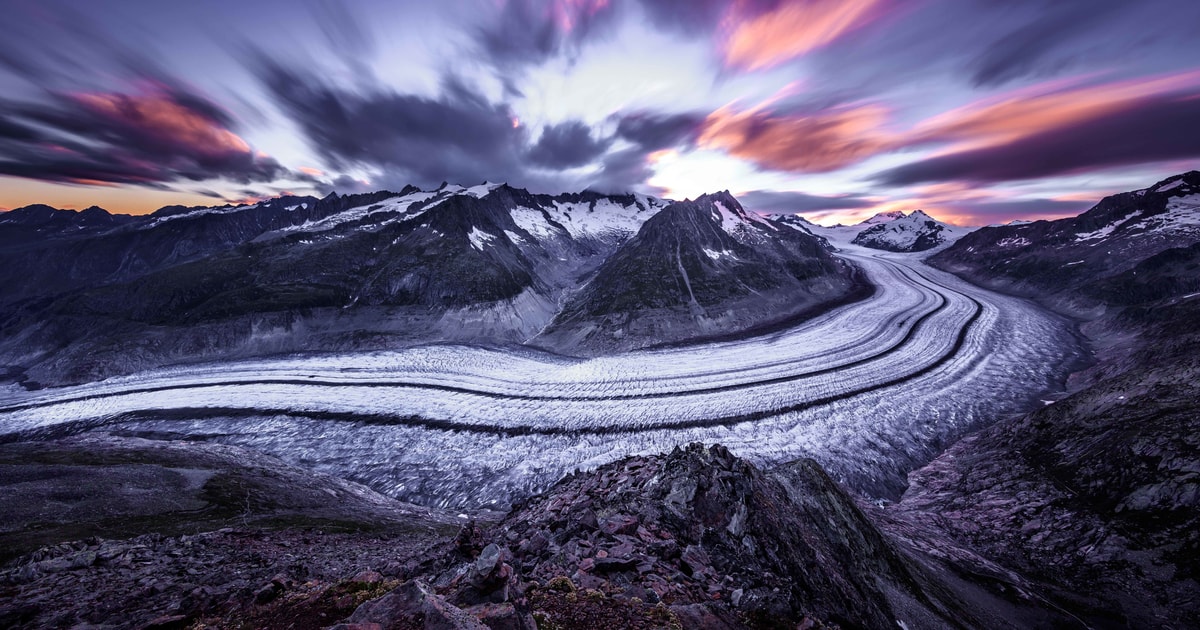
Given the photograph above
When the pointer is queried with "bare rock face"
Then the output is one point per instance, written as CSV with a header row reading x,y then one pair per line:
x,y
697,538
1097,494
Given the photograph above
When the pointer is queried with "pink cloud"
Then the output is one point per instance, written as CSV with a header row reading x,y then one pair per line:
x,y
791,29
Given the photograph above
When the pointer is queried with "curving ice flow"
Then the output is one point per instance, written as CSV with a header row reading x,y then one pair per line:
x,y
871,390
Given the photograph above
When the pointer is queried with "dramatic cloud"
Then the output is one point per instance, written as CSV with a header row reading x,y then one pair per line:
x,y
804,142
687,16
1043,107
531,31
678,96
148,139
1155,129
793,28
567,145
653,132
459,135
798,202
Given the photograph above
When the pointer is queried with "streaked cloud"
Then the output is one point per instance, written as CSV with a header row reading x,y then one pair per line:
x,y
792,29
150,139
805,142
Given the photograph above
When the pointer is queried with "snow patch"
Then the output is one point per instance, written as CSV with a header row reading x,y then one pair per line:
x,y
1014,241
479,238
532,221
400,205
717,255
1107,230
1173,185
481,190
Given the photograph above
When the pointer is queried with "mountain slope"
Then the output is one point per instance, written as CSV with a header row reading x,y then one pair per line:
x,y
486,263
1096,493
1056,259
696,269
125,248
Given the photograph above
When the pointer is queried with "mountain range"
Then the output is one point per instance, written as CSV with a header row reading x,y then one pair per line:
x,y
92,294
1082,511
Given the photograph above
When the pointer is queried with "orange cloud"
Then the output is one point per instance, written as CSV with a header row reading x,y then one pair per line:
x,y
791,29
1039,108
822,141
315,172
807,142
166,121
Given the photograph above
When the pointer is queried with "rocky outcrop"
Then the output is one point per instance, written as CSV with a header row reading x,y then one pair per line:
x,y
132,533
1097,494
693,538
698,538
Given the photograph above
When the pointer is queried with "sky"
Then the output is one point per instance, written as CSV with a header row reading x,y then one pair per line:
x,y
977,111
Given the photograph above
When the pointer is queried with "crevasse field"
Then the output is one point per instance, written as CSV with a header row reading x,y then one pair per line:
x,y
871,390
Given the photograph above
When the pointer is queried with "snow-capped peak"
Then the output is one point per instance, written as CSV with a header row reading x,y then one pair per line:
x,y
908,233
482,190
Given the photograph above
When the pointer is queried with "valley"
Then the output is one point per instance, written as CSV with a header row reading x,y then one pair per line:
x,y
467,427
661,428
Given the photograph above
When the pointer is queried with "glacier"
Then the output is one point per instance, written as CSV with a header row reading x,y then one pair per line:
x,y
871,390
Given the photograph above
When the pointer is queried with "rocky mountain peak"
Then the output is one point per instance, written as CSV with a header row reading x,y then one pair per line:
x,y
723,197
30,215
914,232
708,534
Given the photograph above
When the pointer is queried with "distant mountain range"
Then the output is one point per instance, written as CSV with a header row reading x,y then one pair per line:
x,y
1081,513
91,294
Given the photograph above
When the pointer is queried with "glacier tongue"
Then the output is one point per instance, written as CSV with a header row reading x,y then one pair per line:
x,y
469,426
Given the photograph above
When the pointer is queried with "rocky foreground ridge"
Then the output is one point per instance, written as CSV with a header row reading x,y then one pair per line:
x,y
692,539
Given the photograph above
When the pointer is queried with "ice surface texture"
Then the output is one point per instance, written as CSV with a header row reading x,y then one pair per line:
x,y
870,390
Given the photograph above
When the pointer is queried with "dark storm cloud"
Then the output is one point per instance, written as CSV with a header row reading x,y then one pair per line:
x,y
567,145
792,202
73,128
621,170
459,135
985,43
654,131
151,139
685,16
61,48
346,35
1157,129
